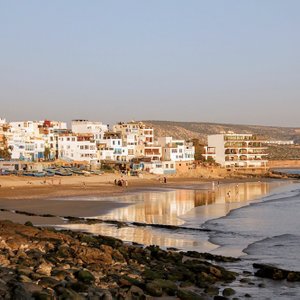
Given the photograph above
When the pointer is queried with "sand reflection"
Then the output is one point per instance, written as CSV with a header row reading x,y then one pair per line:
x,y
169,207
189,207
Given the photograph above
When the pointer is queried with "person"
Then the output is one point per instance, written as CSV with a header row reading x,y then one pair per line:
x,y
165,179
126,183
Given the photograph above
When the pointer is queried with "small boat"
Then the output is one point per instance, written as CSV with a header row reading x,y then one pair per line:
x,y
28,173
63,172
39,174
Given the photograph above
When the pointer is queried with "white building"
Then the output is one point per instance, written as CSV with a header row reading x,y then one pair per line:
x,y
142,134
112,148
23,147
176,150
77,147
237,150
97,129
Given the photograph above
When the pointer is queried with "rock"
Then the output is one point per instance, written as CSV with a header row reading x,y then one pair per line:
x,y
24,271
69,294
293,276
79,287
268,271
44,269
227,292
42,296
154,289
247,296
28,223
23,291
4,262
216,272
135,293
46,282
220,298
24,278
245,280
186,284
204,280
212,290
59,274
85,276
64,251
167,286
261,285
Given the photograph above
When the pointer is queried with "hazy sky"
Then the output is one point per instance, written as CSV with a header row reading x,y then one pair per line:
x,y
217,61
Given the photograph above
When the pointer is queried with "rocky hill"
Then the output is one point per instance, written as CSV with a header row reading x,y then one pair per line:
x,y
200,130
189,130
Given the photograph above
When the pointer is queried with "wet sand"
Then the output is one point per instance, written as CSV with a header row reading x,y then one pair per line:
x,y
33,195
40,198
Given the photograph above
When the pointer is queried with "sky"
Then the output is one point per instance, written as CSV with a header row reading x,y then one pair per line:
x,y
208,61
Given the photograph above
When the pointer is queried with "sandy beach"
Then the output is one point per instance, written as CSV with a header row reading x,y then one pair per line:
x,y
29,187
35,196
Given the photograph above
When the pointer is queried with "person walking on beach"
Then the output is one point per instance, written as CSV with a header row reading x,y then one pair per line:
x,y
165,179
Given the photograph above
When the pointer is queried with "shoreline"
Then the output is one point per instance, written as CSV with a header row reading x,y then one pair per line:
x,y
68,198
73,265
207,287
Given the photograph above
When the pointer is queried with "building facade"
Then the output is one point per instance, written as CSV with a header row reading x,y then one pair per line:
x,y
237,150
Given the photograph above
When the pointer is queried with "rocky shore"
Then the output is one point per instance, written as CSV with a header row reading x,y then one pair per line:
x,y
39,263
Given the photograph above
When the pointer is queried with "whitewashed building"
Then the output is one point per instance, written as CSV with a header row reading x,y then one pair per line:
x,y
176,150
97,129
112,147
76,147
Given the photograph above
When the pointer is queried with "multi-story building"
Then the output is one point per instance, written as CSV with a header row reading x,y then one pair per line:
x,y
112,147
77,147
97,129
141,133
237,150
138,139
176,150
25,147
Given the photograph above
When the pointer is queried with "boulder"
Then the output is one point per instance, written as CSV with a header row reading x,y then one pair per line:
x,y
85,276
227,292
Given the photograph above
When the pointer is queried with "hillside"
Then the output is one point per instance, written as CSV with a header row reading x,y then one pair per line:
x,y
188,130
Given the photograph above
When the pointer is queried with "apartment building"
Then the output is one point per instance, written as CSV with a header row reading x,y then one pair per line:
x,y
97,129
77,147
237,150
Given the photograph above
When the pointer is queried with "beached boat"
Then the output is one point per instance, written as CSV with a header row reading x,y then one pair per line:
x,y
62,172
